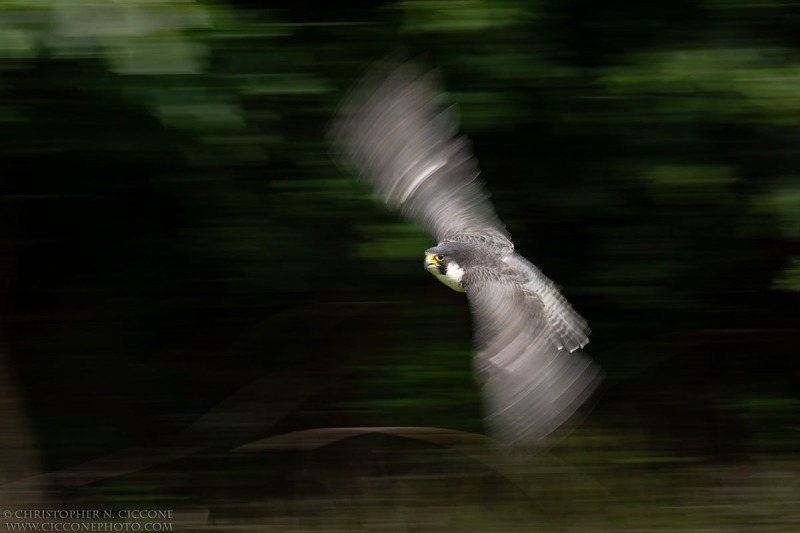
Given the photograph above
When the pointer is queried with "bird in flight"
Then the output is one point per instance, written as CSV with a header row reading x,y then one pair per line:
x,y
401,137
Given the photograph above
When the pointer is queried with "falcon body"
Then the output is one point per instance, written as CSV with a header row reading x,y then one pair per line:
x,y
396,131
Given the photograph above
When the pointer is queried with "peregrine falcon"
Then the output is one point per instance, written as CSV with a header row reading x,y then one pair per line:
x,y
398,133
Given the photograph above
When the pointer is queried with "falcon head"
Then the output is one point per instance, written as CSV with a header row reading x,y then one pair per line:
x,y
444,267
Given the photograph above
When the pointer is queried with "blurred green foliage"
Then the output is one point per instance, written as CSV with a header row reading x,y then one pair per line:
x,y
168,199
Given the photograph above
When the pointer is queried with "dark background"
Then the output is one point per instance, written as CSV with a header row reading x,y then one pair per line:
x,y
183,262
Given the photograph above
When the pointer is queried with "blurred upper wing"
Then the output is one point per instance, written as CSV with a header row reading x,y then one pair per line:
x,y
530,386
397,132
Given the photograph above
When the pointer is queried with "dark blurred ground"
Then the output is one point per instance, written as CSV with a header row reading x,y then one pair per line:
x,y
186,269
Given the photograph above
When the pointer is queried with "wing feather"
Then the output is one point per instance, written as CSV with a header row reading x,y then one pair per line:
x,y
530,386
567,327
401,137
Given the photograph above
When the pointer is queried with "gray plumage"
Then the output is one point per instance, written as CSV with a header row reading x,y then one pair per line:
x,y
396,130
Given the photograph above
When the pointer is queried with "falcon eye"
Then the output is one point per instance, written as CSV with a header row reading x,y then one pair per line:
x,y
439,257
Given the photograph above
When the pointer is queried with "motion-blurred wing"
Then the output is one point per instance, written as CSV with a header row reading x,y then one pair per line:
x,y
395,130
530,386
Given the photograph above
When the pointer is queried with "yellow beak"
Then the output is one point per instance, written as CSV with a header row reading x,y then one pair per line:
x,y
430,262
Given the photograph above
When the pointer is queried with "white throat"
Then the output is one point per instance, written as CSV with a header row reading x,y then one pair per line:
x,y
452,276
